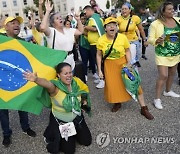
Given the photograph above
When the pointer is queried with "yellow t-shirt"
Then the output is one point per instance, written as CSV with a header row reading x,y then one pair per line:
x,y
121,43
57,105
131,33
38,37
2,30
92,36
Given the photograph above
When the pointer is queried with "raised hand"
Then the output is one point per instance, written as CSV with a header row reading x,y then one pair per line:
x,y
48,6
77,17
41,2
30,76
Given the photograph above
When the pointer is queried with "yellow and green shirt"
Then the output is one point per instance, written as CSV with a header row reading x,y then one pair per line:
x,y
92,36
57,103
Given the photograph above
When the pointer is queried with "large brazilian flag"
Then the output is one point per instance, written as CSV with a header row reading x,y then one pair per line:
x,y
17,56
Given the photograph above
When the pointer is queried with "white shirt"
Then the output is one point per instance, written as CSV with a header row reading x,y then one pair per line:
x,y
63,41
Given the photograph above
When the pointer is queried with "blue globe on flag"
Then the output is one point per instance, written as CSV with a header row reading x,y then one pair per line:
x,y
12,66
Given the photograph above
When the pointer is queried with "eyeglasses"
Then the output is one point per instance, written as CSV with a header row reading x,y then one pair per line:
x,y
111,25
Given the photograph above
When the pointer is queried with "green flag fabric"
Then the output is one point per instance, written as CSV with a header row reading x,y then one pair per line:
x,y
17,56
99,24
131,80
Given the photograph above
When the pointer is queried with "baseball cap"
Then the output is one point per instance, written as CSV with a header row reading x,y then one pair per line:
x,y
109,20
9,19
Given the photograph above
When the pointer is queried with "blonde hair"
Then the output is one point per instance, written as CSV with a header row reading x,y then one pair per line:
x,y
159,13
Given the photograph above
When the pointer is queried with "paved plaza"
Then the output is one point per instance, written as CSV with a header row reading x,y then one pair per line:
x,y
123,132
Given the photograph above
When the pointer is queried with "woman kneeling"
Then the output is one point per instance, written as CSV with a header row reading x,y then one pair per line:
x,y
69,95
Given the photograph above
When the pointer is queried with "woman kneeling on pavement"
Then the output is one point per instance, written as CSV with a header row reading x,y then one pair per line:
x,y
69,95
120,55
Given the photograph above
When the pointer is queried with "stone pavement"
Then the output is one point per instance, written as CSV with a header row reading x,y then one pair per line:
x,y
124,132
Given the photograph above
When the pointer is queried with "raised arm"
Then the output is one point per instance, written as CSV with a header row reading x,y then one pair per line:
x,y
31,21
80,29
40,9
40,81
45,21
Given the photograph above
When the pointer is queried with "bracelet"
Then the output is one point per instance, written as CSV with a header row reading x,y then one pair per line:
x,y
144,40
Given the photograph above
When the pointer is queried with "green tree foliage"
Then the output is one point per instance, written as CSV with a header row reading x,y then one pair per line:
x,y
107,4
153,5
36,2
28,8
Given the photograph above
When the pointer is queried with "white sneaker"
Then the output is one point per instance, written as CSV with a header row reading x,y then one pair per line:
x,y
95,76
157,104
45,140
171,94
97,81
101,84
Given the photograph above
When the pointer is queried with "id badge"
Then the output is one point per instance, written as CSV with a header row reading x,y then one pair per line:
x,y
67,130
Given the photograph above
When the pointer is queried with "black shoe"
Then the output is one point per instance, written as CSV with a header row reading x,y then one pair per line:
x,y
144,57
138,64
6,141
30,132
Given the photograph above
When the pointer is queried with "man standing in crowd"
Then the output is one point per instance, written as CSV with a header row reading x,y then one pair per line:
x,y
12,28
146,21
95,29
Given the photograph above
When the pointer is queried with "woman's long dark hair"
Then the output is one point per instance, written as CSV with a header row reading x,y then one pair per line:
x,y
159,13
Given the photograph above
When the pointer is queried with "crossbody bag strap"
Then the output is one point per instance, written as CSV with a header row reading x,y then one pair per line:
x,y
54,39
104,58
128,24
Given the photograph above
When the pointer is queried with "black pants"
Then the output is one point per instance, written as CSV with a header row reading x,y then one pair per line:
x,y
143,47
56,143
92,58
178,70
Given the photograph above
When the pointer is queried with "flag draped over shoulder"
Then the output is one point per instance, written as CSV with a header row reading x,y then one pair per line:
x,y
99,23
17,56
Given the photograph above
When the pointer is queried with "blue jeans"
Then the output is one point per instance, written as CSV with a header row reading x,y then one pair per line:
x,y
4,118
85,55
138,45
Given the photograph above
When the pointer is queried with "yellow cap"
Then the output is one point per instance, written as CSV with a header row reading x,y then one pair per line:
x,y
9,19
109,20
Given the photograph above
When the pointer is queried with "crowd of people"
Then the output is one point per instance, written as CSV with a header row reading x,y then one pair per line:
x,y
115,41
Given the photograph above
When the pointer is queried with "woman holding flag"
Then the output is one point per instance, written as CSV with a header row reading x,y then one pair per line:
x,y
115,91
69,96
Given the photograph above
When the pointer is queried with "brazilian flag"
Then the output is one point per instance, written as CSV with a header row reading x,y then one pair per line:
x,y
17,56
